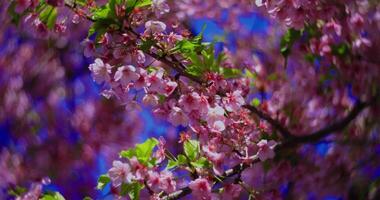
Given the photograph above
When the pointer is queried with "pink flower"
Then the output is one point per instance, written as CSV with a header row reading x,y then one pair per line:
x,y
120,173
201,188
140,171
120,52
141,82
150,100
333,28
259,3
190,101
132,106
100,71
233,101
216,81
203,104
155,81
126,74
60,27
167,182
231,191
154,27
215,119
160,7
357,21
153,180
140,57
266,149
169,87
41,29
362,42
160,153
89,47
215,157
178,117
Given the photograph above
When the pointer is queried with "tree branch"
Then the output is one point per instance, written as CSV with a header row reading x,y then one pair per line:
x,y
276,124
330,129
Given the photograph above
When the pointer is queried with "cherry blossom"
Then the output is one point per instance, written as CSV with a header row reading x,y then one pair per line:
x,y
120,173
201,188
100,71
160,7
266,149
178,117
215,118
154,27
126,74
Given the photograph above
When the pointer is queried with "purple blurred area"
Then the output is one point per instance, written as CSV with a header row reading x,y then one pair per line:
x,y
53,121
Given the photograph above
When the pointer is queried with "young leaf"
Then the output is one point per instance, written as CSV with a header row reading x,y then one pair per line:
x,y
255,102
48,16
17,191
191,148
181,159
103,180
127,153
53,196
144,151
146,45
138,3
288,40
172,164
201,163
132,189
230,72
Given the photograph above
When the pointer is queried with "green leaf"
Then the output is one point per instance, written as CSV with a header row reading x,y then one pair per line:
x,y
201,163
103,12
288,39
51,19
231,72
127,153
103,180
132,189
146,45
142,3
53,196
272,77
255,102
144,151
191,148
112,6
311,57
17,191
100,27
194,70
341,50
181,159
172,164
48,16
138,3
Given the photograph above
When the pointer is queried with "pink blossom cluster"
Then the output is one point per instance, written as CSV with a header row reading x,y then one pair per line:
x,y
306,94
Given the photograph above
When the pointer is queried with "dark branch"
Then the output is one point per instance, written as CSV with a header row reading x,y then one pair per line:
x,y
330,129
276,124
